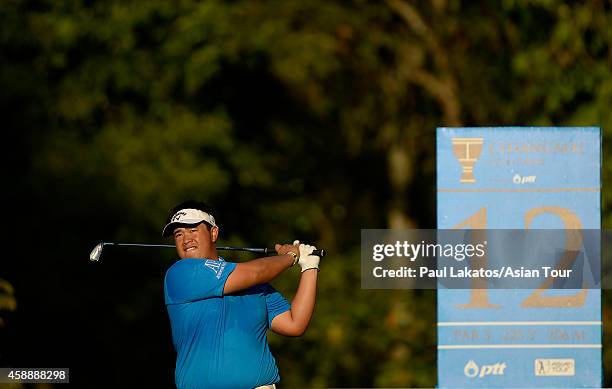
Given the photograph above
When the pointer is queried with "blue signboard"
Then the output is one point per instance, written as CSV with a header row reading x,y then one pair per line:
x,y
518,178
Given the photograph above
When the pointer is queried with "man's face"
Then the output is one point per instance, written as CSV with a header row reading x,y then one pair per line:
x,y
196,242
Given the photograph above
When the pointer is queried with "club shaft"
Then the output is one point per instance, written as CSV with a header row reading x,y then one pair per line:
x,y
320,253
138,244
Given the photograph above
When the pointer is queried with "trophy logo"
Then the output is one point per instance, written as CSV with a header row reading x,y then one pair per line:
x,y
467,151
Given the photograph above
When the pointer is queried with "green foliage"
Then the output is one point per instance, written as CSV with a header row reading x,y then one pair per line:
x,y
7,298
296,119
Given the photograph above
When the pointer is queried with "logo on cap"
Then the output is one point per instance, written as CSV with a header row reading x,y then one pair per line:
x,y
177,216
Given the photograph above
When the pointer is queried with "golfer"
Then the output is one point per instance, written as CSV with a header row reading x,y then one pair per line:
x,y
220,311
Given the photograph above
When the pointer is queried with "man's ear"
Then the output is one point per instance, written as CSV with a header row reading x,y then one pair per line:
x,y
214,233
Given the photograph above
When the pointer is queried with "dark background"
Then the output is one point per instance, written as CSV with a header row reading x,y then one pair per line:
x,y
296,119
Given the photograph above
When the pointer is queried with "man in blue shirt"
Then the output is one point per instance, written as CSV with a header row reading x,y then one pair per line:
x,y
220,311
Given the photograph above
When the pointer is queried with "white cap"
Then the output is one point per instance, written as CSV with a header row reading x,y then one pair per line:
x,y
188,216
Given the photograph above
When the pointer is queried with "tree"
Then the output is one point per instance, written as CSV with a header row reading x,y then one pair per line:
x,y
306,119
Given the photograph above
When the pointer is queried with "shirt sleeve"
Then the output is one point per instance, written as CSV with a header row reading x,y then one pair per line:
x,y
196,279
275,303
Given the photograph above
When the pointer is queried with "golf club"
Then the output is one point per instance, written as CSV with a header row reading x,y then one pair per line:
x,y
96,253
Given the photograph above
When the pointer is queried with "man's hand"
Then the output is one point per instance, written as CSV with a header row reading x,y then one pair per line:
x,y
307,260
283,249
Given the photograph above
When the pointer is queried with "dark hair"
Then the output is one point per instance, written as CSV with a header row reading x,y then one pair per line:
x,y
193,204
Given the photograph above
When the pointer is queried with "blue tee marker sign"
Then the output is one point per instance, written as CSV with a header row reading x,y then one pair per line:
x,y
519,178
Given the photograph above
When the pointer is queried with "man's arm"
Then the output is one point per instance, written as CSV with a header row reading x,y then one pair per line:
x,y
295,321
262,270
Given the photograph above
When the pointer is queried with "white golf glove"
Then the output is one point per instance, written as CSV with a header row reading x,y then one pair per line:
x,y
307,260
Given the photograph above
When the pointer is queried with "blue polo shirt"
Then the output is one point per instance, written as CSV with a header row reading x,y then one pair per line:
x,y
220,340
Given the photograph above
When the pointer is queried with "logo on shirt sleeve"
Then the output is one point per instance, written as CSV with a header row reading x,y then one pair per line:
x,y
216,266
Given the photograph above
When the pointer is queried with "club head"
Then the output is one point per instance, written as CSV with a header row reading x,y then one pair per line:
x,y
96,253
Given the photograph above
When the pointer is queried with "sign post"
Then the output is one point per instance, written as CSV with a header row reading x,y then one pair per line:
x,y
519,178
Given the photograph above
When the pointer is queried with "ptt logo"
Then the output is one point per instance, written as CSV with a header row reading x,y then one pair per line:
x,y
517,179
472,370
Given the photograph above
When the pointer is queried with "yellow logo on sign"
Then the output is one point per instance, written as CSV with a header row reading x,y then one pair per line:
x,y
467,151
555,367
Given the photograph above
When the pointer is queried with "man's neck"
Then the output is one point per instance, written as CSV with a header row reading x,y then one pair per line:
x,y
212,254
